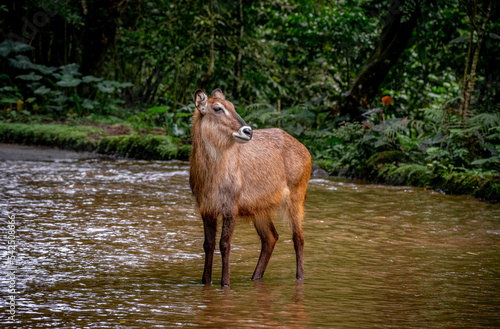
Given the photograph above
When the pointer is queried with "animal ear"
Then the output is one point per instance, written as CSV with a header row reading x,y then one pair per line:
x,y
217,93
200,101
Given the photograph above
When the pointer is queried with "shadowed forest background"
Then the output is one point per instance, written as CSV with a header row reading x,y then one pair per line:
x,y
404,92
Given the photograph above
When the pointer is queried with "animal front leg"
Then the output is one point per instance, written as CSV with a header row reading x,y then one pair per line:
x,y
225,246
210,227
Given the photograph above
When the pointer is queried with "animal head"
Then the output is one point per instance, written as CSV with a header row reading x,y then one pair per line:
x,y
219,118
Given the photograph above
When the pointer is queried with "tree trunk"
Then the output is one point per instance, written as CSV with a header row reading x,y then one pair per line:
x,y
390,46
467,60
210,70
101,22
469,77
239,55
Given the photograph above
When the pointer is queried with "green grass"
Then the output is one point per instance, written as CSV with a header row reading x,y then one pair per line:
x,y
109,119
86,138
78,138
147,147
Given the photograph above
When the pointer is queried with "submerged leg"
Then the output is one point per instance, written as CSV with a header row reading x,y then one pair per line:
x,y
298,243
268,236
295,212
210,226
225,246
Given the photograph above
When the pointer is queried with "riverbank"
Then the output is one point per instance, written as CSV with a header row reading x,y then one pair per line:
x,y
94,139
15,152
388,169
484,185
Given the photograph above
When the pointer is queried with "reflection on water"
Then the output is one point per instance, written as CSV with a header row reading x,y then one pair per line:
x,y
115,244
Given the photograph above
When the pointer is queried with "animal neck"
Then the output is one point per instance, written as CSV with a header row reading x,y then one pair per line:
x,y
209,155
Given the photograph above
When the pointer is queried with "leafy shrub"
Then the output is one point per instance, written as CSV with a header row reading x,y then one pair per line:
x,y
58,91
175,123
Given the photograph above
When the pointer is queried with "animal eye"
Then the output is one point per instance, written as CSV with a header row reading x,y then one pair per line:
x,y
217,109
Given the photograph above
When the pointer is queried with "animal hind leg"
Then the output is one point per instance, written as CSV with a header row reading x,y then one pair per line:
x,y
268,236
295,213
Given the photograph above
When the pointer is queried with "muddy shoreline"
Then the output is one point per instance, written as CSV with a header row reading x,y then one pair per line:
x,y
16,152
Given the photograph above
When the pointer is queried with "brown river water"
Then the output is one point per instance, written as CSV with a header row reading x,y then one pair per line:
x,y
118,244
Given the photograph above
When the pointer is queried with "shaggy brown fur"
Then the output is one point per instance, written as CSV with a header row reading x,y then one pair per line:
x,y
254,180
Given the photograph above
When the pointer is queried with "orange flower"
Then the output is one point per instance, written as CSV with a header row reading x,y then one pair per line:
x,y
387,100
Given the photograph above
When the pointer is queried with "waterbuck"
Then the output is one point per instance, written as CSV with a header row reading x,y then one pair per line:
x,y
238,172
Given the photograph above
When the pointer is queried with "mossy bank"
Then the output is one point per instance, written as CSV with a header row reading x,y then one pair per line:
x,y
91,139
390,168
77,138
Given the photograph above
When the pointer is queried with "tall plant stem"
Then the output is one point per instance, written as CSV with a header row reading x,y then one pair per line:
x,y
468,83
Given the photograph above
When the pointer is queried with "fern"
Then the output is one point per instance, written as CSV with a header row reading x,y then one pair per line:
x,y
484,122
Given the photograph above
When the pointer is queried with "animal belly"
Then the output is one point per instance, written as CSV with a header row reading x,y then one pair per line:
x,y
262,201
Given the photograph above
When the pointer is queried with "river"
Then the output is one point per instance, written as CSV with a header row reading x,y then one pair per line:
x,y
118,244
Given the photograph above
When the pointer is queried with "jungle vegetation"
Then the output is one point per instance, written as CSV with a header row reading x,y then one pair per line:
x,y
372,88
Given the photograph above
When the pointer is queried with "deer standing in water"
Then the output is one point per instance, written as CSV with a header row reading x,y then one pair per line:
x,y
238,172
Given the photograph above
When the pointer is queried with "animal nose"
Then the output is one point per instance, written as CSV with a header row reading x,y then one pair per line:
x,y
244,134
247,131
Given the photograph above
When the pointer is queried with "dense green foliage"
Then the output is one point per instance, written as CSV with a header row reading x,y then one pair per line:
x,y
287,63
53,91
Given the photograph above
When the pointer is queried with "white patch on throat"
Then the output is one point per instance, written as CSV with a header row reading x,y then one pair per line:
x,y
211,150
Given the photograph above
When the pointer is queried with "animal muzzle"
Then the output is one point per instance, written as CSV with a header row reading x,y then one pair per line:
x,y
244,135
